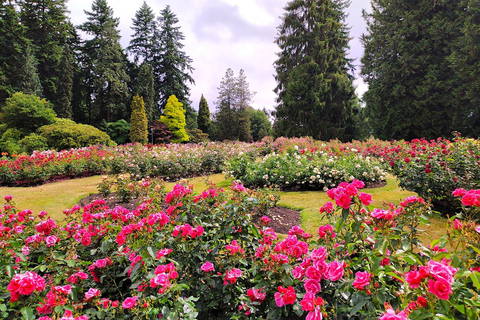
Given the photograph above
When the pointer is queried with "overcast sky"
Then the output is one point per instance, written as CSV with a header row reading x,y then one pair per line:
x,y
221,34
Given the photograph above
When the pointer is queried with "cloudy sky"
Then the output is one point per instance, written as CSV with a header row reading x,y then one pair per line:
x,y
221,34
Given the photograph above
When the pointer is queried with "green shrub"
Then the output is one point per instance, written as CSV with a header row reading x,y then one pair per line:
x,y
197,135
33,142
9,141
119,131
27,113
66,134
138,121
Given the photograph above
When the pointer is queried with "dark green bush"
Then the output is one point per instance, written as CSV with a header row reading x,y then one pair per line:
x,y
119,131
33,142
9,141
66,134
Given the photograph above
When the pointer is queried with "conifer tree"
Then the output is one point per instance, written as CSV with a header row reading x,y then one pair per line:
x,y
47,27
138,121
411,82
172,66
105,65
174,118
63,101
144,86
28,78
142,43
203,115
314,86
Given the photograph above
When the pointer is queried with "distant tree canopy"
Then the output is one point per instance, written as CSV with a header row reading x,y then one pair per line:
x,y
422,63
314,86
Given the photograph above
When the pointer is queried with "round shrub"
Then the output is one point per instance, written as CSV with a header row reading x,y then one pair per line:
x,y
66,134
33,142
9,141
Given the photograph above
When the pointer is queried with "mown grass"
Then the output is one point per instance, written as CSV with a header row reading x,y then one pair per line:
x,y
58,196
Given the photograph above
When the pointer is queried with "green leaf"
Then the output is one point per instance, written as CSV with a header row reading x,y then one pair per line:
x,y
27,313
10,271
152,252
358,306
382,246
104,246
476,279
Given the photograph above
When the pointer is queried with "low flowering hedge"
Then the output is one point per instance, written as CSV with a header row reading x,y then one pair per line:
x,y
199,256
304,169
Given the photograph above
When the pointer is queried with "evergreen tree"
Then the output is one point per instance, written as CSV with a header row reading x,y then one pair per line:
x,y
172,66
47,27
314,87
174,118
232,120
260,126
465,60
142,43
63,103
138,121
105,65
144,87
203,115
411,82
28,78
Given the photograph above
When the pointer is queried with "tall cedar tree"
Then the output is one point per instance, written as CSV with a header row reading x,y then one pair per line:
x,y
47,26
142,43
138,121
203,121
144,86
63,102
172,67
105,65
17,62
411,82
315,89
465,60
232,119
174,118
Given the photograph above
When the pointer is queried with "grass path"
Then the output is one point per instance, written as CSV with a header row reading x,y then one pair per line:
x,y
58,196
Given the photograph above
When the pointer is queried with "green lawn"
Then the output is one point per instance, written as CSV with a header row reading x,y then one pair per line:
x,y
57,196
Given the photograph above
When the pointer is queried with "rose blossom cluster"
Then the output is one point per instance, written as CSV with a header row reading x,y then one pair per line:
x,y
344,193
440,277
163,275
211,193
232,275
470,198
234,247
292,247
25,284
179,191
299,232
187,230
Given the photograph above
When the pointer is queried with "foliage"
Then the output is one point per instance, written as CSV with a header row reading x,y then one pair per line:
x,y
161,133
232,121
315,89
197,136
33,142
144,87
410,79
203,258
259,124
66,134
143,40
304,170
203,120
105,64
27,113
119,131
9,141
138,121
174,118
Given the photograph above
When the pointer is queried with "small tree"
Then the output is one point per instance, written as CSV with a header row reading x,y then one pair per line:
x,y
203,119
174,118
138,121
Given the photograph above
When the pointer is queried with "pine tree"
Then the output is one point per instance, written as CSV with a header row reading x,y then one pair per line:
x,y
28,78
203,115
315,89
47,27
142,43
174,118
144,86
405,64
63,101
138,121
172,66
232,119
105,64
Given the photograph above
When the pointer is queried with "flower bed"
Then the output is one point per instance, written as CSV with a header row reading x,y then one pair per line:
x,y
301,169
202,258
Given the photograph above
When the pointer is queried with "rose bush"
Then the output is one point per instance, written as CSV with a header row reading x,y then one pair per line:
x,y
199,256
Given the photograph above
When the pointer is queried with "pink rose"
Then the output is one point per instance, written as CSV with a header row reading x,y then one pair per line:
x,y
343,200
308,302
8,198
366,198
391,315
459,192
130,302
335,271
328,207
256,295
315,314
313,273
413,278
285,296
207,267
362,279
91,293
440,288
312,286
51,241
457,224
478,229
358,184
